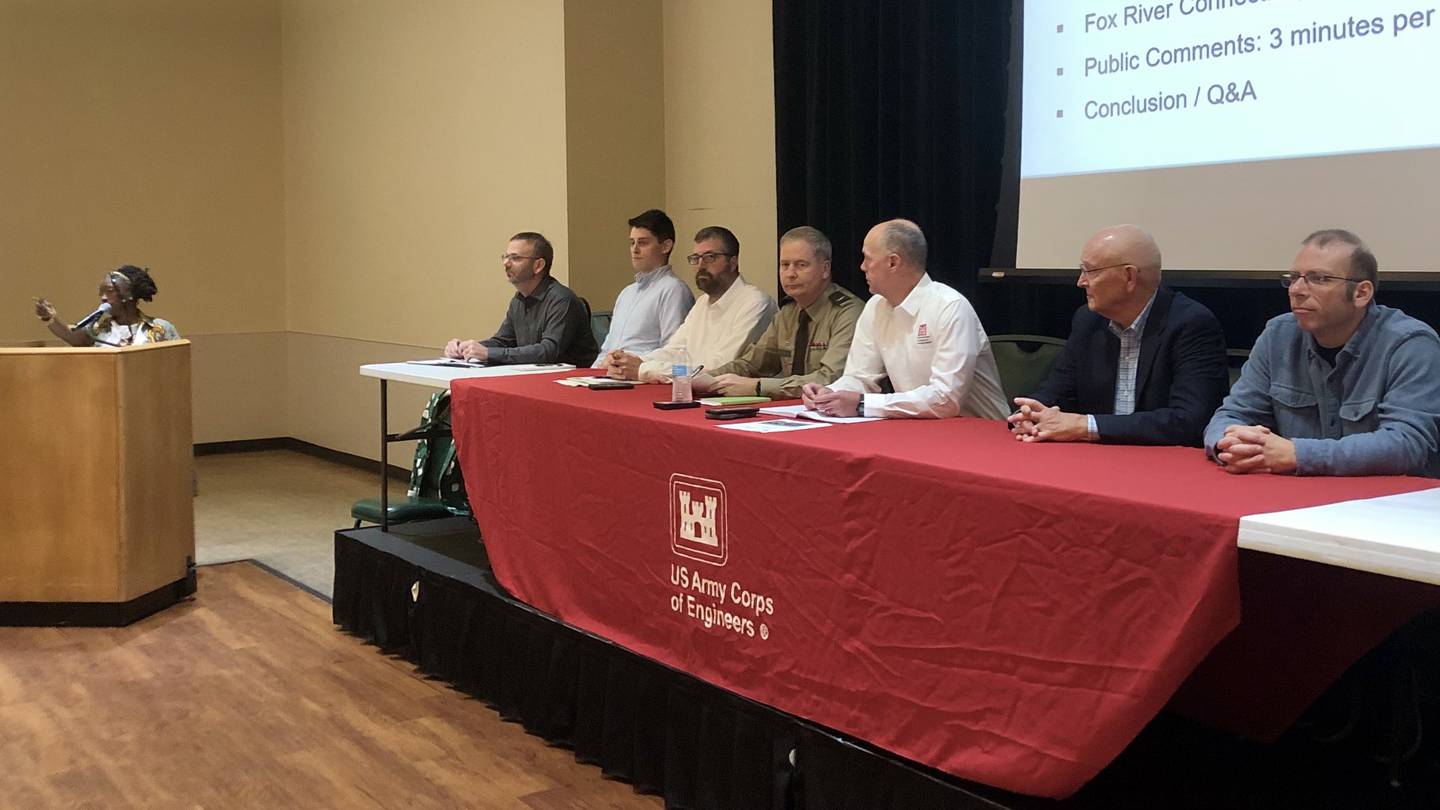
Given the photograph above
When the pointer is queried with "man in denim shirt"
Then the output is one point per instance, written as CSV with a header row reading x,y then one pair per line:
x,y
1341,385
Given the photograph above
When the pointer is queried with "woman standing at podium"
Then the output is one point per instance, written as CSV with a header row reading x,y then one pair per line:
x,y
118,321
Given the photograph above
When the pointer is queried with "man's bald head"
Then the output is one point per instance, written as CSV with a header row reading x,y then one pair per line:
x,y
1127,244
1119,271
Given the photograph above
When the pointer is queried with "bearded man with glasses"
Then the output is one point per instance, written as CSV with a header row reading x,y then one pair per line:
x,y
1340,385
730,314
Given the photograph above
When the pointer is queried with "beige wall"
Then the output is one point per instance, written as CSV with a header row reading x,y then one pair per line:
x,y
615,145
148,132
418,138
720,128
322,183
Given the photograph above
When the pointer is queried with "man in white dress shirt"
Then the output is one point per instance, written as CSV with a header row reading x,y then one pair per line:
x,y
729,316
924,335
649,310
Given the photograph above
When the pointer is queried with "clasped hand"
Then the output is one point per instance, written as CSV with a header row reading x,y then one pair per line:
x,y
1036,422
458,349
1254,448
622,365
823,400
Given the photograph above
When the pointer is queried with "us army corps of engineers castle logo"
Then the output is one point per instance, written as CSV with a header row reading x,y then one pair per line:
x,y
698,529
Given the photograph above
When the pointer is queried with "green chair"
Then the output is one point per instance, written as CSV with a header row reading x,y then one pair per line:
x,y
436,487
600,325
1024,361
1235,359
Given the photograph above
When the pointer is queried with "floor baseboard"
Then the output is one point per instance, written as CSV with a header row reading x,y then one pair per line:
x,y
299,446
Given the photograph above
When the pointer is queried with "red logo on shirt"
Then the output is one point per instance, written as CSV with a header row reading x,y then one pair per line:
x,y
698,527
922,334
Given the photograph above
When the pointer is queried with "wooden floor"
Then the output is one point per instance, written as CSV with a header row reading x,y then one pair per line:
x,y
248,697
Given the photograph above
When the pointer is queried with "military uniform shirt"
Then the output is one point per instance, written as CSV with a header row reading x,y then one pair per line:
x,y
832,325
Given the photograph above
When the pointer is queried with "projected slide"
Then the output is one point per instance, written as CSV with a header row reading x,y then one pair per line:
x,y
1116,86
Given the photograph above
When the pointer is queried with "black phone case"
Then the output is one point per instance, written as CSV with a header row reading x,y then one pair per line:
x,y
731,413
666,405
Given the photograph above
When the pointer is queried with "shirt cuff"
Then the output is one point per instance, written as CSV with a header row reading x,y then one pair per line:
x,y
872,405
1094,431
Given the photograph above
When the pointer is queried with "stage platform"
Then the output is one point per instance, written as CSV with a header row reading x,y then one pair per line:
x,y
424,591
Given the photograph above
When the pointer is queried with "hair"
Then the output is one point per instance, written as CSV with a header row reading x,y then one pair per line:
x,y
542,247
656,222
726,237
1363,265
142,286
905,239
818,242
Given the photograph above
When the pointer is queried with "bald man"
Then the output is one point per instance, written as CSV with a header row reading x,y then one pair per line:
x,y
1143,365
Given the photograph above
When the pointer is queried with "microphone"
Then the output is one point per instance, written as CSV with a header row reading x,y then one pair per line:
x,y
91,318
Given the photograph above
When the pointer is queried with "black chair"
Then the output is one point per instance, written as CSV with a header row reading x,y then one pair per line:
x,y
1024,361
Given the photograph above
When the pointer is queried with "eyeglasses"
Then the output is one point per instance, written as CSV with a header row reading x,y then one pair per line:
x,y
1089,272
515,257
708,257
1313,279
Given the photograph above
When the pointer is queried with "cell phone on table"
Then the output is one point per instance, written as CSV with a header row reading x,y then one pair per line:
x,y
736,412
667,405
610,385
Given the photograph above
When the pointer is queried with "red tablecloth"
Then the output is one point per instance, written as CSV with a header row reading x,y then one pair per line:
x,y
1008,613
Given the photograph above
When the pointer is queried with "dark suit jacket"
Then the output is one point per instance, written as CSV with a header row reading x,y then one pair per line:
x,y
1179,382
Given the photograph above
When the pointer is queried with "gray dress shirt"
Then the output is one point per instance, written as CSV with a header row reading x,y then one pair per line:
x,y
550,325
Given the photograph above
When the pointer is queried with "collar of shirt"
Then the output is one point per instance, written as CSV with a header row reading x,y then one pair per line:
x,y
1138,327
911,304
539,293
730,295
1353,347
821,303
646,278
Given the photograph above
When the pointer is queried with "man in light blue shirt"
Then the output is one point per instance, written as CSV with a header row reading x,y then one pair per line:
x,y
648,311
1341,385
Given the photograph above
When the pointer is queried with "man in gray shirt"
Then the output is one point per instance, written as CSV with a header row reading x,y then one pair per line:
x,y
545,323
1341,385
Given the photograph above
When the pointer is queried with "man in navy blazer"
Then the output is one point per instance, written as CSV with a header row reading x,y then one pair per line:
x,y
1144,364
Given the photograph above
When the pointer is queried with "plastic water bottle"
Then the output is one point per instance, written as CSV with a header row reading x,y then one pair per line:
x,y
680,379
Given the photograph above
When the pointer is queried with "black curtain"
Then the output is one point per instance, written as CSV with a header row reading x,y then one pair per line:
x,y
892,109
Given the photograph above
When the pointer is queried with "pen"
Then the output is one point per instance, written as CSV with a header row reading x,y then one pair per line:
x,y
697,370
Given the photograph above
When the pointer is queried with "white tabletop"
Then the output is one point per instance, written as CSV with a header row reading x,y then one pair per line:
x,y
440,376
1396,535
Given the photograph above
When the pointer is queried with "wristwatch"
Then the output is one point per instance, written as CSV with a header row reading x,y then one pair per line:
x,y
757,388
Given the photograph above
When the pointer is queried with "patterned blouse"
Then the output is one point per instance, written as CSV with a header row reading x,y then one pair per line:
x,y
149,330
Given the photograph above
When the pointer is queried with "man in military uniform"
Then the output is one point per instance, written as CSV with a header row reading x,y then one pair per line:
x,y
809,338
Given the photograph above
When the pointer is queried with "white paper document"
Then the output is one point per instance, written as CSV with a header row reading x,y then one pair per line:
x,y
774,426
446,361
586,382
799,411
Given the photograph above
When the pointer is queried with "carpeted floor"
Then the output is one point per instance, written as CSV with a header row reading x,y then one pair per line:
x,y
279,508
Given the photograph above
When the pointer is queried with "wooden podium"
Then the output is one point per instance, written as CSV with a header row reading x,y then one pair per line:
x,y
97,520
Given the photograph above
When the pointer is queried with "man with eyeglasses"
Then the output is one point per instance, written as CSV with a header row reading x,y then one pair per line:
x,y
1338,386
921,334
545,323
650,309
809,338
729,316
1144,364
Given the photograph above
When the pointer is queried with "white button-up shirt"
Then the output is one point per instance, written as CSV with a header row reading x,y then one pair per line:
x,y
714,332
647,313
935,352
